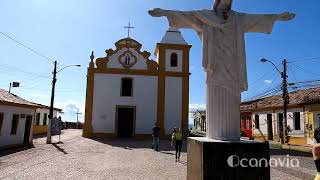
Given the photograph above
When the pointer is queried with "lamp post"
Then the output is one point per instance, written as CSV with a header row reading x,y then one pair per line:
x,y
54,80
285,96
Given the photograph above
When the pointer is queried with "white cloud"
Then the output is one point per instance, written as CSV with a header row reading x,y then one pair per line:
x,y
268,81
69,108
194,107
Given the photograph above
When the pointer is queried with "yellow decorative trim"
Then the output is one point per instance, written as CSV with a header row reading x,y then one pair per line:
x,y
87,128
185,90
161,92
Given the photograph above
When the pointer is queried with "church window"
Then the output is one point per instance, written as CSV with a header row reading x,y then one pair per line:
x,y
15,121
126,86
174,60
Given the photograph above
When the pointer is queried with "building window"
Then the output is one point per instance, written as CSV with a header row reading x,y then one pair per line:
x,y
45,117
256,121
1,121
174,60
37,123
15,122
126,87
296,119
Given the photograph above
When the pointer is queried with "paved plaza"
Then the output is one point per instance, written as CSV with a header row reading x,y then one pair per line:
x,y
82,158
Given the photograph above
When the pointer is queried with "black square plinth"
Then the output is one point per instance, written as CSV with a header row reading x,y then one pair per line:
x,y
227,160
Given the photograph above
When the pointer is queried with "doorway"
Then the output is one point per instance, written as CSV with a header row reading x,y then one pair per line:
x,y
269,122
27,130
125,121
280,125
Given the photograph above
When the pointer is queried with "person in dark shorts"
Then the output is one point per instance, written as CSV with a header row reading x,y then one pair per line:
x,y
177,139
155,137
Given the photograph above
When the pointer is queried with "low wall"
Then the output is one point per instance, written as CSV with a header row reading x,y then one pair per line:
x,y
42,129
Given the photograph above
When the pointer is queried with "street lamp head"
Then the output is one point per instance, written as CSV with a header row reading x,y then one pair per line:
x,y
263,60
78,65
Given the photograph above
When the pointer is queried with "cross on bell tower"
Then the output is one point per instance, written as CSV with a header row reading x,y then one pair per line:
x,y
129,27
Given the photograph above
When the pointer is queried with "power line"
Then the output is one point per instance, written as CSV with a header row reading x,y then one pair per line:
x,y
305,71
27,47
6,67
306,59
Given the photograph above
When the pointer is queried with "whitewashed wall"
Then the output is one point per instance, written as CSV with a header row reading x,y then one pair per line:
x,y
173,103
275,122
114,63
168,60
5,135
107,96
42,111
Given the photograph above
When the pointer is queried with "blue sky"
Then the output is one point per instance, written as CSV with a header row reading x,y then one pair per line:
x,y
68,30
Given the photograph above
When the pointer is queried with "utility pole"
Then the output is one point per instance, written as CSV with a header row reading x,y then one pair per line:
x,y
54,80
77,113
285,97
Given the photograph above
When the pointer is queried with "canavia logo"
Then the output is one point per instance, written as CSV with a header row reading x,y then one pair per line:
x,y
235,161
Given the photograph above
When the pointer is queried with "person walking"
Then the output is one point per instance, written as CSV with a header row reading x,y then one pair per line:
x,y
177,139
316,152
155,137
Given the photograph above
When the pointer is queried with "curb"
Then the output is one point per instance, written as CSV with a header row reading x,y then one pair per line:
x,y
291,147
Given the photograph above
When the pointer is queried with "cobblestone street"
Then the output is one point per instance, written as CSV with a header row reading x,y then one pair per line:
x,y
81,158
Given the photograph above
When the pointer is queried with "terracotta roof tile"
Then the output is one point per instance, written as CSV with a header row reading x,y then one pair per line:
x,y
6,97
300,97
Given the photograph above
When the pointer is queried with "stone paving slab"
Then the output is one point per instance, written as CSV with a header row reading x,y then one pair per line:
x,y
82,158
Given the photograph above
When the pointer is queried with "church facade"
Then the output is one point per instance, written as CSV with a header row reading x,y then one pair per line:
x,y
127,92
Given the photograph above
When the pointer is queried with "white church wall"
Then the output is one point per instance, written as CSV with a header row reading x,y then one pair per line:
x,y
6,138
173,103
114,63
107,96
168,57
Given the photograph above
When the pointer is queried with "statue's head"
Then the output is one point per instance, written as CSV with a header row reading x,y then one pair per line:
x,y
222,4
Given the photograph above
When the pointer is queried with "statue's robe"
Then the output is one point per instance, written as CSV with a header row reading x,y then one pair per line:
x,y
224,60
223,55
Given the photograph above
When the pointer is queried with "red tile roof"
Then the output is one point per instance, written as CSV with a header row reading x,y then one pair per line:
x,y
300,97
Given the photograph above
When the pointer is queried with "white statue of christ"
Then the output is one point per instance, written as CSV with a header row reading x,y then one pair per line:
x,y
223,58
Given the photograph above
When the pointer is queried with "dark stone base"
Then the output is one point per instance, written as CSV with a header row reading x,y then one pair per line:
x,y
210,160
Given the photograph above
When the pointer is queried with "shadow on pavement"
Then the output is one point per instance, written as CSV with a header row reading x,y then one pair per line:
x,y
131,144
13,150
59,148
280,152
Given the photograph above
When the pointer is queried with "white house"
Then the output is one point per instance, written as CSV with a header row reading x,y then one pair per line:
x,y
16,117
303,116
40,125
127,92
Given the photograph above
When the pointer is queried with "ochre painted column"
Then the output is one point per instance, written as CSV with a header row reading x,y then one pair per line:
x,y
87,128
161,91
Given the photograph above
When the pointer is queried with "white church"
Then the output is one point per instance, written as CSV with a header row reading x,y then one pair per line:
x,y
127,92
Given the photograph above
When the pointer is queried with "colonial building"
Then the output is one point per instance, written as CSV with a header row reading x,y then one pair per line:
x,y
127,92
303,116
16,117
199,121
40,125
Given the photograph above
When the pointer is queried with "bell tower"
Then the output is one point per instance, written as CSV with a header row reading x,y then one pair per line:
x,y
172,55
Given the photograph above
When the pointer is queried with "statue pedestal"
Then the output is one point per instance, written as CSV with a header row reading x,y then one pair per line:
x,y
213,159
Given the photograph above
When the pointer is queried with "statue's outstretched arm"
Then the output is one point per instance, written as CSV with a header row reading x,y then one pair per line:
x,y
158,12
286,16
